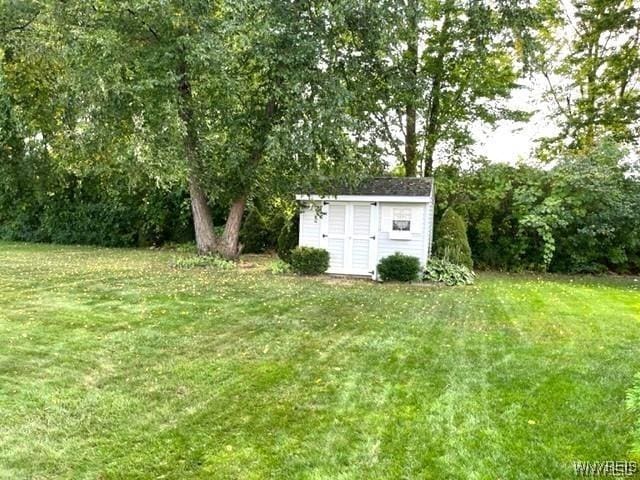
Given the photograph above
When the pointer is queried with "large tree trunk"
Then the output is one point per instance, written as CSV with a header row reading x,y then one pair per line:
x,y
202,217
592,95
432,126
411,55
229,245
410,143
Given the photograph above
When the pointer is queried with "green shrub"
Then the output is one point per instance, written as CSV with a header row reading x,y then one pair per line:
x,y
105,208
444,271
451,242
633,404
399,267
288,239
280,267
203,261
309,260
255,236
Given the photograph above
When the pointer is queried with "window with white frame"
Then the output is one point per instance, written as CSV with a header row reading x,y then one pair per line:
x,y
401,221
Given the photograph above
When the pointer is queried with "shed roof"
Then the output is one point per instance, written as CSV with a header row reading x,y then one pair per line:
x,y
392,186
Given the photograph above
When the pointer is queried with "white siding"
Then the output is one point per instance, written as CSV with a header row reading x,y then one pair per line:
x,y
310,233
415,245
429,230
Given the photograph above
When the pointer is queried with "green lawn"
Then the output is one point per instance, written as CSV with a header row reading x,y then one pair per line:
x,y
115,365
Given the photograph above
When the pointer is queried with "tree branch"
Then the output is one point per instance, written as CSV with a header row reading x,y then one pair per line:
x,y
554,94
21,28
392,140
135,15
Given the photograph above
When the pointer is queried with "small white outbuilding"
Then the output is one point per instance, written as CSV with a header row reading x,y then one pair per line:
x,y
360,226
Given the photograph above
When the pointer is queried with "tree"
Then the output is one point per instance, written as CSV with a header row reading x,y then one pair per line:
x,y
451,241
593,73
599,204
234,97
429,69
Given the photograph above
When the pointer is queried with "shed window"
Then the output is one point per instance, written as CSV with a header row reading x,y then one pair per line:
x,y
401,220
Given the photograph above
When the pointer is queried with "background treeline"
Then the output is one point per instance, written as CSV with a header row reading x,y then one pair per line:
x,y
581,214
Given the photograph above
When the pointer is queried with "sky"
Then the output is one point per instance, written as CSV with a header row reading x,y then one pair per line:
x,y
509,141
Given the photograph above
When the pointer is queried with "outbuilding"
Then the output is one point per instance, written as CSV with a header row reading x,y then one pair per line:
x,y
362,225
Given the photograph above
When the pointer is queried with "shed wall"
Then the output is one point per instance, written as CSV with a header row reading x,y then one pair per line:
x,y
416,245
310,228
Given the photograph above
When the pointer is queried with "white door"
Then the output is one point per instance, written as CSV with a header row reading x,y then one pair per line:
x,y
360,238
349,237
336,237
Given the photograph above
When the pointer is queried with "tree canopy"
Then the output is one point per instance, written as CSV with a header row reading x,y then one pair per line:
x,y
149,121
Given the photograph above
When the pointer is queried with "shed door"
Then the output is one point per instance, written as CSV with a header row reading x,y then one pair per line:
x,y
349,237
337,236
360,238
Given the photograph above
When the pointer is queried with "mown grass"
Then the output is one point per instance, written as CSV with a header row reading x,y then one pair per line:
x,y
115,365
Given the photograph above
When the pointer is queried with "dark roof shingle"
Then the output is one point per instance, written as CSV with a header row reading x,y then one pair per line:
x,y
392,186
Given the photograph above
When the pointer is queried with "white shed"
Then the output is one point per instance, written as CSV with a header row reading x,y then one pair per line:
x,y
358,227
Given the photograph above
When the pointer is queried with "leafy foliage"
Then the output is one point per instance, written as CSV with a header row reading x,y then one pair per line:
x,y
582,215
443,271
451,241
399,268
255,235
230,100
593,84
89,208
266,218
309,260
288,239
424,70
280,267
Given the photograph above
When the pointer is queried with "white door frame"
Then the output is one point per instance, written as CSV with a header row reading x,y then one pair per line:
x,y
374,229
349,236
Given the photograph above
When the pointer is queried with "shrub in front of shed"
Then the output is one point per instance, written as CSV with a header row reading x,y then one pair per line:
x,y
443,271
309,260
399,268
451,242
280,267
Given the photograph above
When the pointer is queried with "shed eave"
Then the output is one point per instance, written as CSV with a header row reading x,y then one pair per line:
x,y
365,198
